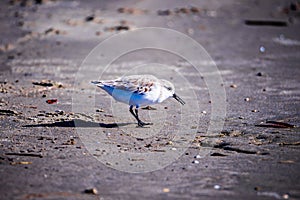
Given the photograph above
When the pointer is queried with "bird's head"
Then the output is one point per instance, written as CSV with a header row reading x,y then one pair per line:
x,y
170,91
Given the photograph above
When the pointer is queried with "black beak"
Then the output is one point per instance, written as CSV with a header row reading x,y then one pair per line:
x,y
178,99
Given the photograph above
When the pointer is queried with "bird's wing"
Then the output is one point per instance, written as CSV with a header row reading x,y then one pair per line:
x,y
135,84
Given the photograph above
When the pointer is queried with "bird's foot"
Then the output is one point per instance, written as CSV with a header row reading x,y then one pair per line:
x,y
142,124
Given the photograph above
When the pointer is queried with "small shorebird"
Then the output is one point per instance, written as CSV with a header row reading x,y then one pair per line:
x,y
139,90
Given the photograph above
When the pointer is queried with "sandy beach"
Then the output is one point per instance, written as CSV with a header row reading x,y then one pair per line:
x,y
235,64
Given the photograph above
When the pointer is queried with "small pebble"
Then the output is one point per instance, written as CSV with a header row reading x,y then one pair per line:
x,y
184,10
247,99
233,86
60,112
89,18
259,74
285,196
196,162
173,149
91,191
217,187
254,111
262,49
195,9
203,112
166,190
164,12
190,31
198,156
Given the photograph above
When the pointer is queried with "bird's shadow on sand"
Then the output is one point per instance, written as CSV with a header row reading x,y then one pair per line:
x,y
79,123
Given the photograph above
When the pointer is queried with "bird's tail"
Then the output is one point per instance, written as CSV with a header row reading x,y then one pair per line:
x,y
97,83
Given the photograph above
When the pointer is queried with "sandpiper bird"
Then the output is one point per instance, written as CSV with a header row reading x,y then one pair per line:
x,y
139,90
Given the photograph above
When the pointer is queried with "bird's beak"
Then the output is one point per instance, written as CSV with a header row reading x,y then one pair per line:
x,y
178,99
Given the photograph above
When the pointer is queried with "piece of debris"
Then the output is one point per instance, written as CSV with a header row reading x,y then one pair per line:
x,y
229,148
72,22
221,144
218,154
8,112
247,99
233,86
289,143
7,47
47,83
164,12
183,10
53,31
272,195
51,101
121,28
132,11
166,190
70,142
265,23
286,161
91,191
286,41
24,154
43,83
99,110
149,108
276,124
21,163
194,9
117,28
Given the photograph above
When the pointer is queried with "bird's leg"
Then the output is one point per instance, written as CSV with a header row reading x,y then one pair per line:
x,y
136,116
140,122
131,111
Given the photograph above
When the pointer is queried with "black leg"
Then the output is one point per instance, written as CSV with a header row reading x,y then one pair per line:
x,y
136,116
131,111
140,122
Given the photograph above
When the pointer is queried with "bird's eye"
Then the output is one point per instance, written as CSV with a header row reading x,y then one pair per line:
x,y
169,88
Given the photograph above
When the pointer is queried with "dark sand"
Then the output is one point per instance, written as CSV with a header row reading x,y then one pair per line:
x,y
42,156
